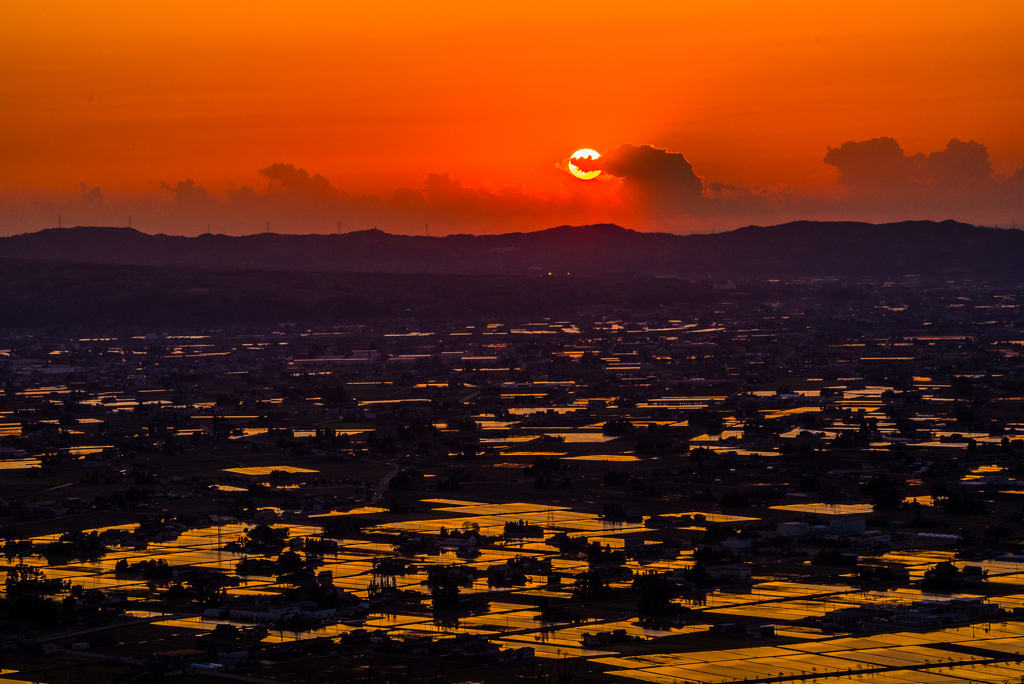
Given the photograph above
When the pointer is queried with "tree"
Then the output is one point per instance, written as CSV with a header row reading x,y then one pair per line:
x,y
655,593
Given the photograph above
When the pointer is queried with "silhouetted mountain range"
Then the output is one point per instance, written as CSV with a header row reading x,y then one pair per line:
x,y
802,248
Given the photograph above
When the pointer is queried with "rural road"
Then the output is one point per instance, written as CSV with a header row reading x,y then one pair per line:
x,y
382,486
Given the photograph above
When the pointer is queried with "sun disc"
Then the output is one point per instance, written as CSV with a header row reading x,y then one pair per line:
x,y
585,153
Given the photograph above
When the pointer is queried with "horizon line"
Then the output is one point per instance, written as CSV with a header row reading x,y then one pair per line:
x,y
713,231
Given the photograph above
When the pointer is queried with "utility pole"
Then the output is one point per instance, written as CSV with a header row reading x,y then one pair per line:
x,y
339,226
129,220
58,221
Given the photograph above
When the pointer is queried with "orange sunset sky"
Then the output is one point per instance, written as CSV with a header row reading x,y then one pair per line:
x,y
462,115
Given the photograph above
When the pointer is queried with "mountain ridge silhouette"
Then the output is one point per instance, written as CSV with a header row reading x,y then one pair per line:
x,y
799,248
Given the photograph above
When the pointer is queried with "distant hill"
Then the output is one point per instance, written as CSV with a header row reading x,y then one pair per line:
x,y
802,248
103,297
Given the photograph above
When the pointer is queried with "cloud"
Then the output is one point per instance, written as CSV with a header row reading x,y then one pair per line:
x,y
879,169
445,201
90,196
288,180
642,187
653,166
1014,185
961,166
877,165
441,190
189,195
663,181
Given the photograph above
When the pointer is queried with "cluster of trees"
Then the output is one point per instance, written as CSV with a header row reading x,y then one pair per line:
x,y
150,569
444,582
548,473
260,539
78,545
520,529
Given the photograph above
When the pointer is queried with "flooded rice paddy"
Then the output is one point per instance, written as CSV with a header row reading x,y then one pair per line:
x,y
989,651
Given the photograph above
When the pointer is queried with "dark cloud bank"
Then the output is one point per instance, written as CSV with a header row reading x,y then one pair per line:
x,y
878,180
643,187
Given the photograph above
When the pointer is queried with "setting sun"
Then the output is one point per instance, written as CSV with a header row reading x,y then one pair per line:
x,y
584,154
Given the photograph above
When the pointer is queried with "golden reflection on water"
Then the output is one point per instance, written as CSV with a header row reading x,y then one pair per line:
x,y
510,621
